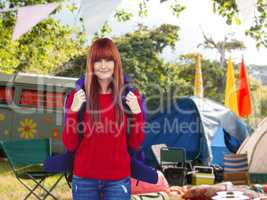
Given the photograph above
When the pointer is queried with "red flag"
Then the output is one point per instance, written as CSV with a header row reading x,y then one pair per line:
x,y
244,102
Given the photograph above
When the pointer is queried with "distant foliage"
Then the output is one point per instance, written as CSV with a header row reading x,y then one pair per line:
x,y
257,30
213,78
42,50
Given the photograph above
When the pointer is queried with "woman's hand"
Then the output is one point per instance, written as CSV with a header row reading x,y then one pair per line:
x,y
78,99
132,102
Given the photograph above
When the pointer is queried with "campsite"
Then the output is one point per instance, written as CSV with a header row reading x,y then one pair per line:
x,y
190,90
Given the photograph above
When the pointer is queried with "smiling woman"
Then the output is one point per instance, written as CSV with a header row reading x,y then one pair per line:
x,y
104,69
102,162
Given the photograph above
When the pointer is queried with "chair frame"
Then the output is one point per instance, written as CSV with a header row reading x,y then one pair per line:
x,y
38,177
173,157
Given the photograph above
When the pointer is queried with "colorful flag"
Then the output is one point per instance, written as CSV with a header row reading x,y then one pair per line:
x,y
244,100
96,12
29,16
198,89
230,99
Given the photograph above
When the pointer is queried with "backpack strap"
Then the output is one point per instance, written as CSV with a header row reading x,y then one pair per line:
x,y
80,127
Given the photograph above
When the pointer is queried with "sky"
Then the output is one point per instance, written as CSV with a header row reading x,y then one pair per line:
x,y
197,18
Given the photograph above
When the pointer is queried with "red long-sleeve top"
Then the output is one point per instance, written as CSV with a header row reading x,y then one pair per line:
x,y
102,153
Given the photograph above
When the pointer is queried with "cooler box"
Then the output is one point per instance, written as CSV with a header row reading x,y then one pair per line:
x,y
203,175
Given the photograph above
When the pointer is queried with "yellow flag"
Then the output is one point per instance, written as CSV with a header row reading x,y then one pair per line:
x,y
198,89
230,99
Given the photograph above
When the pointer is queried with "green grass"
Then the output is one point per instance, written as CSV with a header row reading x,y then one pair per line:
x,y
4,168
12,189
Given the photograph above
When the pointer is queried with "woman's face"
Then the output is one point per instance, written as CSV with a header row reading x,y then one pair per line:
x,y
104,69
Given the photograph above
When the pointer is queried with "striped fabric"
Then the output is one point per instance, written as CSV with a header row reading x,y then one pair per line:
x,y
234,163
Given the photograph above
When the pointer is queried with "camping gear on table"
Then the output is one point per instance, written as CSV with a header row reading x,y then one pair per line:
x,y
205,192
203,175
233,195
259,188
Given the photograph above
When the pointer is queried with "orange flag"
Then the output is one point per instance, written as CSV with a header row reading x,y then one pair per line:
x,y
244,101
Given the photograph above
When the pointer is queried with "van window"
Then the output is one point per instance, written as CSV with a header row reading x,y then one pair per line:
x,y
6,94
31,98
54,99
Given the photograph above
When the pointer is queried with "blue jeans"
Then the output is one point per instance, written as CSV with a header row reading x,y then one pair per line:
x,y
93,189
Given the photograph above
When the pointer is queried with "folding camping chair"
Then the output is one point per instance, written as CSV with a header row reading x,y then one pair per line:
x,y
156,151
173,164
25,158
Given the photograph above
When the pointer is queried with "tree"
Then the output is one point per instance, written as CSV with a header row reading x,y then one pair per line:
x,y
41,50
123,15
140,52
212,74
227,45
229,9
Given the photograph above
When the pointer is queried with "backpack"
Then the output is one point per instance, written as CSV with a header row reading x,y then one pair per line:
x,y
64,162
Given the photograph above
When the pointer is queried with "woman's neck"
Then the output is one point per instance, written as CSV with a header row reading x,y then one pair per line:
x,y
104,86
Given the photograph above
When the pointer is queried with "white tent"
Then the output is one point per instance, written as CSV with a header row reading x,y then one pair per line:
x,y
255,147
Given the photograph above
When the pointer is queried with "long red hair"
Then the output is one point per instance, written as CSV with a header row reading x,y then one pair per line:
x,y
103,48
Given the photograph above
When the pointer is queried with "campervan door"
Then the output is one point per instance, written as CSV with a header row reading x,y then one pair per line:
x,y
32,107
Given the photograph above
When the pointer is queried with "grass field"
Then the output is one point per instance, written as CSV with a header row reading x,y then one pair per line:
x,y
11,189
